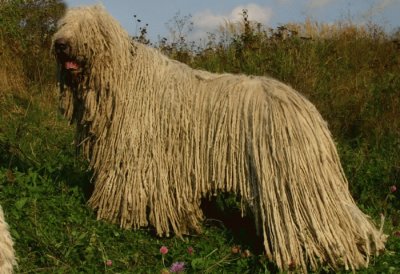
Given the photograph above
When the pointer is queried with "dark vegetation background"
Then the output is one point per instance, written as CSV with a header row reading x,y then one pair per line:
x,y
351,73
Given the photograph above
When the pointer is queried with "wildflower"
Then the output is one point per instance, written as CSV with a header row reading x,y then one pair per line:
x,y
246,253
235,249
109,263
164,250
393,189
177,267
190,250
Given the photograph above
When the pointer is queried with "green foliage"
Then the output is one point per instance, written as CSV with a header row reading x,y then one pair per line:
x,y
26,27
353,77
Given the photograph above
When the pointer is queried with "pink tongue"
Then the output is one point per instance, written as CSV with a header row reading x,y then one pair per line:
x,y
71,65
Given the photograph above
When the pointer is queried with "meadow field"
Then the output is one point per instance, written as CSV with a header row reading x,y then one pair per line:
x,y
350,72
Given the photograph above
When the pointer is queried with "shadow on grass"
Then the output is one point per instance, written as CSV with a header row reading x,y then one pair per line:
x,y
224,211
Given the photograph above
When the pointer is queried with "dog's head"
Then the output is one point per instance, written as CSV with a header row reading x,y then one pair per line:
x,y
88,39
70,65
68,46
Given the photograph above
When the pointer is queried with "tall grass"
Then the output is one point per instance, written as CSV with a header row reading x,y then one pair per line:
x,y
351,73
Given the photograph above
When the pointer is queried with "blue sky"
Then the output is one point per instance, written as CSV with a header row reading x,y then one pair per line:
x,y
207,15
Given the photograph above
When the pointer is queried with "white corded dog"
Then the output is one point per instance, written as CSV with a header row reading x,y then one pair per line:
x,y
7,256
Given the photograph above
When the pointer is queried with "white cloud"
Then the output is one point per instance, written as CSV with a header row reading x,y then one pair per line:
x,y
207,21
255,12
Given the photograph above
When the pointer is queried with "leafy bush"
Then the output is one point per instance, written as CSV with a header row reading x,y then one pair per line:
x,y
26,27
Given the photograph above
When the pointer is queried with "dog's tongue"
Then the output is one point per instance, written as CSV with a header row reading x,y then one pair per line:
x,y
71,65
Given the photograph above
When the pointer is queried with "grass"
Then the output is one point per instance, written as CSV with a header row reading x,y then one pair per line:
x,y
351,74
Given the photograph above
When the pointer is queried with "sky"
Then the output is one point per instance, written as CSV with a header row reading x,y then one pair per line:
x,y
207,15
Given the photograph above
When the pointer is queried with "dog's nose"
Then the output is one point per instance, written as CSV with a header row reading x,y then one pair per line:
x,y
60,44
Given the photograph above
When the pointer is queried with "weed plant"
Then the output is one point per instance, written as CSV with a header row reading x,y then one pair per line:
x,y
351,73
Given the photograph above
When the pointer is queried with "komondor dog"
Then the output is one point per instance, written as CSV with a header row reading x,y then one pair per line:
x,y
160,136
7,257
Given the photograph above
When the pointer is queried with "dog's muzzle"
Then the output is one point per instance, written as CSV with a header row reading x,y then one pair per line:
x,y
63,53
70,68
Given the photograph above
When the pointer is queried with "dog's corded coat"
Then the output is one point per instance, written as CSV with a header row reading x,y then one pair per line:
x,y
7,254
160,136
